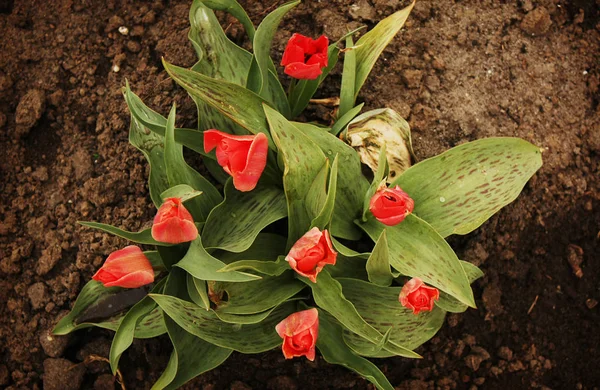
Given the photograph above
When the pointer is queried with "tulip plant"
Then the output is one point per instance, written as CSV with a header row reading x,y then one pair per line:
x,y
289,244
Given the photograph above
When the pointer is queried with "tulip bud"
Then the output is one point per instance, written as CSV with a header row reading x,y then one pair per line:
x,y
173,224
368,132
304,58
299,332
391,205
244,157
127,268
415,295
311,253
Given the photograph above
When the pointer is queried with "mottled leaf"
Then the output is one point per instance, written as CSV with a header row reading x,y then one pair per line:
x,y
417,250
151,325
233,8
303,160
461,188
143,237
335,351
234,224
266,246
448,302
196,289
243,319
324,213
378,264
251,338
199,263
379,306
271,268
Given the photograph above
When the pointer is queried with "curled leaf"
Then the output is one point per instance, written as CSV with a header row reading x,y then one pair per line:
x,y
369,132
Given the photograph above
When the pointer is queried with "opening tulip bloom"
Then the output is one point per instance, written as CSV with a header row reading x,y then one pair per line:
x,y
311,253
391,205
418,297
127,268
299,332
173,224
244,157
304,57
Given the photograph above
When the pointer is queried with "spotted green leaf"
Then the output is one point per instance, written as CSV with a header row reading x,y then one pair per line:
x,y
302,160
243,319
196,289
448,302
142,237
327,293
236,222
417,250
378,264
258,296
370,46
250,338
335,351
379,306
351,184
266,246
151,325
271,268
181,191
461,188
233,8
347,96
200,264
324,212
234,101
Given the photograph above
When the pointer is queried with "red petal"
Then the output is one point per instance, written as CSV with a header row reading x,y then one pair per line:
x,y
122,263
256,162
211,139
292,53
301,71
174,231
133,280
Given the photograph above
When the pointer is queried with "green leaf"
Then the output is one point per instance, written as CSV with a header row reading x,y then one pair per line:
x,y
327,293
304,90
152,147
382,169
303,160
347,96
258,296
179,172
182,191
334,350
349,267
197,291
250,338
378,264
143,237
234,224
325,213
259,78
380,307
370,46
151,325
348,252
233,8
343,121
448,302
91,294
243,319
417,250
351,184
271,268
234,101
199,263
266,246
461,188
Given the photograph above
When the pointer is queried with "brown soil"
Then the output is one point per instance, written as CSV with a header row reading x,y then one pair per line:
x,y
459,71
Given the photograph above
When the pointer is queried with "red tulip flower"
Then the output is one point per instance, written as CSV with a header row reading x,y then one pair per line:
x,y
127,268
244,157
311,253
304,57
173,224
418,297
299,332
391,205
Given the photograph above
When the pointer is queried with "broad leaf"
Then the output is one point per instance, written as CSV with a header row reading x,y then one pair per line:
x,y
451,304
233,8
370,45
234,101
378,264
199,263
379,306
243,319
179,172
327,293
234,224
271,268
302,161
143,237
151,325
351,184
181,191
196,289
417,250
258,296
335,351
251,338
266,246
325,211
461,188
